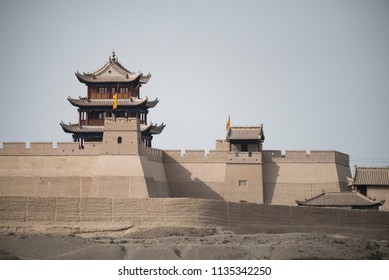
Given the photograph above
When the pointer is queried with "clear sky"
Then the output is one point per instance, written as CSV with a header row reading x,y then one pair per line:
x,y
315,73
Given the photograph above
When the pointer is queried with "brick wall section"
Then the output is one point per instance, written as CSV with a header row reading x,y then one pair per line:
x,y
379,193
49,214
276,156
47,149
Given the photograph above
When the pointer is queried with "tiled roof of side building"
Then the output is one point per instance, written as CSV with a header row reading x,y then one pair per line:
x,y
245,133
112,71
131,102
340,199
377,176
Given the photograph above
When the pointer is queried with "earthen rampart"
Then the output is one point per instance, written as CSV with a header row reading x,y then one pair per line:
x,y
50,214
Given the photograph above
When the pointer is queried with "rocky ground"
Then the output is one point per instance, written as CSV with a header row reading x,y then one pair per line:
x,y
189,243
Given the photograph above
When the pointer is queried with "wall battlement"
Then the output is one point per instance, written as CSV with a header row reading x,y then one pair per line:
x,y
152,153
194,156
244,157
48,149
94,148
305,157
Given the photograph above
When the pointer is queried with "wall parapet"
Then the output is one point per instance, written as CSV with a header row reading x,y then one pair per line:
x,y
212,156
305,157
244,157
48,149
152,153
194,156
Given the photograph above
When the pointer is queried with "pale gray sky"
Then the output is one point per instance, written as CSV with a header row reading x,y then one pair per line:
x,y
315,73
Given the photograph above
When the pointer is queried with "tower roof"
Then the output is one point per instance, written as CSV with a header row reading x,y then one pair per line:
x,y
124,103
85,129
112,72
245,133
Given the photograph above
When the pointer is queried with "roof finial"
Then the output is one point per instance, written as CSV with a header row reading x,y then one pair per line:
x,y
113,56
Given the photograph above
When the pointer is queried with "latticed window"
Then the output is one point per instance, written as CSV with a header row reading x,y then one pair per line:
x,y
120,140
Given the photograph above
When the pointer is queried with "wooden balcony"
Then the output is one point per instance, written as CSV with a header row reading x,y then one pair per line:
x,y
94,122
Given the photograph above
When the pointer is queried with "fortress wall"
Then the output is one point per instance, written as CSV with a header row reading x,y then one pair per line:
x,y
82,176
303,156
286,182
124,176
68,176
152,154
379,193
47,149
195,174
243,183
196,179
217,175
156,177
56,214
194,156
45,186
298,175
47,166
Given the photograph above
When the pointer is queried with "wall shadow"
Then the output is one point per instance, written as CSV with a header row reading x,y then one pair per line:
x,y
270,171
181,183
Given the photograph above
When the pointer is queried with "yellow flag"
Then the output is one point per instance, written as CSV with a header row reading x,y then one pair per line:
x,y
115,101
228,123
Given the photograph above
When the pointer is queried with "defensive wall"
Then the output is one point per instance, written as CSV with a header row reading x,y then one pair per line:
x,y
298,175
77,215
104,170
121,167
380,192
68,171
217,175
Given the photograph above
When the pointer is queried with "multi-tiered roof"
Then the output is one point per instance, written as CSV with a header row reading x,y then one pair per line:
x,y
109,80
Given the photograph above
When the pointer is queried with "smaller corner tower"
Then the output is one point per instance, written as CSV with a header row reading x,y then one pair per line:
x,y
245,138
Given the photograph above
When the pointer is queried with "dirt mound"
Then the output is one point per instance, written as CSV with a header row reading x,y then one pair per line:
x,y
191,243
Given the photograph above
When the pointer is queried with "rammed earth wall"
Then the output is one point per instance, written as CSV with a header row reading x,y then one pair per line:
x,y
51,214
65,170
127,169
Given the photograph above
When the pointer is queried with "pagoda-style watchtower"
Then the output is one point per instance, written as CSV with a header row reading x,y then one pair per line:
x,y
102,85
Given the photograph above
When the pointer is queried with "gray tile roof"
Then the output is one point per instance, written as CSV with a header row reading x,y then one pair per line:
x,y
336,199
124,75
377,176
245,133
131,102
77,128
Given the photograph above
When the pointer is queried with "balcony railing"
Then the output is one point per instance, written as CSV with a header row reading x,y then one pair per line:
x,y
96,122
